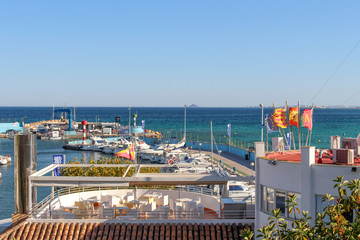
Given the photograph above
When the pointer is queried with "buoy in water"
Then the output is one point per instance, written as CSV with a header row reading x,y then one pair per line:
x,y
319,141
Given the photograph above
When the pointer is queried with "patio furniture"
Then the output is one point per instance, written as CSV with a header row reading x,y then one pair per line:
x,y
189,208
200,211
106,212
163,212
178,212
133,213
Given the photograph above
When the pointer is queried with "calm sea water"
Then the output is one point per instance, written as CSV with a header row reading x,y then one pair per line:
x,y
245,122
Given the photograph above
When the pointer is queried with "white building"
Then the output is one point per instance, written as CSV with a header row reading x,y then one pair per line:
x,y
303,173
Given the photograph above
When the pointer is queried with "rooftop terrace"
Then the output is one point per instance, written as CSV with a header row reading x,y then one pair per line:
x,y
295,156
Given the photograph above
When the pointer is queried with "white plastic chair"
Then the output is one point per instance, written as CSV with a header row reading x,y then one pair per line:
x,y
106,212
164,212
189,208
200,211
178,211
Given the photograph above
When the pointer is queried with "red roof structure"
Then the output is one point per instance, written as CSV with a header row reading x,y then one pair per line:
x,y
123,231
295,156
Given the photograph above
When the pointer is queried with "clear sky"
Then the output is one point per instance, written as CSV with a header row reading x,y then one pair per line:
x,y
231,53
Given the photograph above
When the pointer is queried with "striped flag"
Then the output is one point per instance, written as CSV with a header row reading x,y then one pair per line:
x,y
279,118
229,130
143,124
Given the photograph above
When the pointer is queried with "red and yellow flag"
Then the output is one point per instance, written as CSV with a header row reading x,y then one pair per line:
x,y
279,118
307,118
128,153
294,117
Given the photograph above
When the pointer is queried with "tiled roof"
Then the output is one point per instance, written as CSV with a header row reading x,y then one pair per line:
x,y
102,231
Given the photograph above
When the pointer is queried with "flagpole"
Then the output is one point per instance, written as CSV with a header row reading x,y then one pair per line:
x,y
285,116
229,137
129,121
291,130
212,142
262,121
267,140
299,125
185,125
312,109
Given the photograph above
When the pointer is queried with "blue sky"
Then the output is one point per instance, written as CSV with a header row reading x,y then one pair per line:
x,y
170,53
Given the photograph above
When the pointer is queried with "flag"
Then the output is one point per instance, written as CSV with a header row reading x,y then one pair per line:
x,y
270,124
288,141
143,124
293,117
128,153
307,118
279,118
229,129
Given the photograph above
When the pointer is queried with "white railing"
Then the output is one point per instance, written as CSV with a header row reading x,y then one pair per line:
x,y
66,190
133,214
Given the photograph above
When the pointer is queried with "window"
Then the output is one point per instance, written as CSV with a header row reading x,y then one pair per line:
x,y
298,200
263,198
276,199
269,199
280,201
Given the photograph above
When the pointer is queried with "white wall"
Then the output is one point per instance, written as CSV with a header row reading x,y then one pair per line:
x,y
306,178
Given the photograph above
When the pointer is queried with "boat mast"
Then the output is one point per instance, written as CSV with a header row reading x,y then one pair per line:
x,y
185,124
212,142
129,120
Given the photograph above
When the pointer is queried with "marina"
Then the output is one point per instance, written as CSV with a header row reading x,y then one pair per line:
x,y
219,185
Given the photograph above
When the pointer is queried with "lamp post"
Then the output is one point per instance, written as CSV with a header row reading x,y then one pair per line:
x,y
262,121
252,164
200,148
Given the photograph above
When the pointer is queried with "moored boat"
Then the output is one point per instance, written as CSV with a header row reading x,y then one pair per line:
x,y
5,160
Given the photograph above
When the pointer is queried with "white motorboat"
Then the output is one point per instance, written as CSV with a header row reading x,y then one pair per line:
x,y
238,189
55,135
5,160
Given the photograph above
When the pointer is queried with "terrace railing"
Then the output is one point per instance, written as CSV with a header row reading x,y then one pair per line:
x,y
70,190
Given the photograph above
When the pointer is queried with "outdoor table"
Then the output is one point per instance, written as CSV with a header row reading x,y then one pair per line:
x,y
121,210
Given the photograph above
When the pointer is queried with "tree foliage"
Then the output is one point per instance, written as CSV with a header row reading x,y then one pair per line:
x,y
332,223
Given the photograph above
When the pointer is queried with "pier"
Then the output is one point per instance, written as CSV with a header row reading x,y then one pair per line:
x,y
229,161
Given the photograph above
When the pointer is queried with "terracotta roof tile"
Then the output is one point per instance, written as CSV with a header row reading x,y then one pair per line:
x,y
145,231
20,230
104,231
89,231
235,231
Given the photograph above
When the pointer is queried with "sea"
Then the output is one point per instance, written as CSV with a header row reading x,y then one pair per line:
x,y
245,128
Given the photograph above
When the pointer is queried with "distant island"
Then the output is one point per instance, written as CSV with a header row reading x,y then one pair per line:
x,y
193,106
